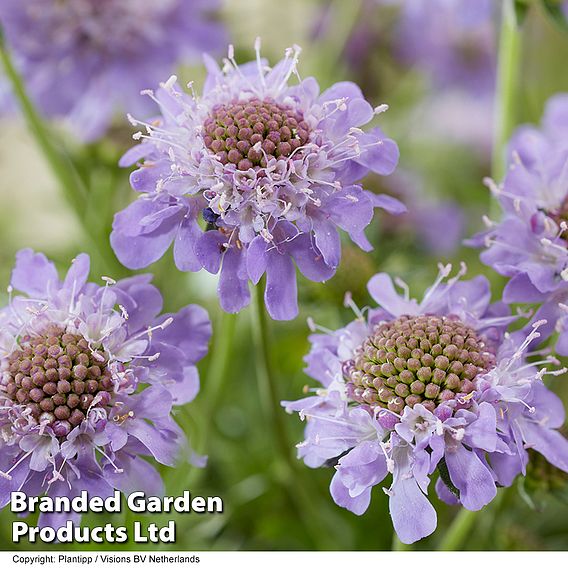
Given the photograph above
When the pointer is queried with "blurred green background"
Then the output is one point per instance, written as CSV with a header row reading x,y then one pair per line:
x,y
268,505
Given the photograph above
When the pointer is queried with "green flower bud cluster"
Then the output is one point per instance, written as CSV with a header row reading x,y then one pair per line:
x,y
416,359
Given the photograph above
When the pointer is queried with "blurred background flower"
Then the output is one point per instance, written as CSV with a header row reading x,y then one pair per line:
x,y
87,59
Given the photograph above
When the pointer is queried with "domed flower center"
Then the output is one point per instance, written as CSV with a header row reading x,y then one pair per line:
x,y
416,359
249,133
57,375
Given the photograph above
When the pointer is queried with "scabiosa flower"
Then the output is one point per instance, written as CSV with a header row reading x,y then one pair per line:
x,y
89,375
458,43
529,244
252,177
412,388
82,59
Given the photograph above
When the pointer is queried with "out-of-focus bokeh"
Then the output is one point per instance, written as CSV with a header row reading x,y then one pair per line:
x,y
434,63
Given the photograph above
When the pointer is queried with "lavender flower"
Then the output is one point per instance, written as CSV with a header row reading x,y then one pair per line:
x,y
270,170
457,46
412,388
74,359
529,244
426,215
84,59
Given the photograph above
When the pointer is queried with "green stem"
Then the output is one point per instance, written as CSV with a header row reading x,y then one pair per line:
x,y
302,499
213,384
72,186
507,83
458,531
272,410
220,357
398,545
63,170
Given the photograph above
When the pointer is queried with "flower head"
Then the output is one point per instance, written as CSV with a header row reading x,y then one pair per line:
x,y
529,244
89,375
83,59
252,177
414,388
458,44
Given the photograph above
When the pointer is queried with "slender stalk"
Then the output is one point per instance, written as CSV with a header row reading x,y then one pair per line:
x,y
302,499
220,357
69,180
398,545
213,384
63,170
510,46
458,531
507,82
270,400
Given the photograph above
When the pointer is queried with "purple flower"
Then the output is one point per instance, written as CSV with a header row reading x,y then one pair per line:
x,y
89,375
414,388
254,177
426,215
453,41
84,59
530,243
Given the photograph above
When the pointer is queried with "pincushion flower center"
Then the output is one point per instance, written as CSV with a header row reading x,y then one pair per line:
x,y
57,376
250,133
416,359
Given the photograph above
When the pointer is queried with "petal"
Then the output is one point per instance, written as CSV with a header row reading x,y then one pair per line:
x,y
521,289
256,259
33,274
190,331
483,432
210,249
136,249
78,274
388,203
160,443
471,476
363,467
309,260
281,294
413,516
188,235
507,467
141,300
378,153
233,290
445,494
550,443
138,152
341,496
549,408
327,241
136,475
382,290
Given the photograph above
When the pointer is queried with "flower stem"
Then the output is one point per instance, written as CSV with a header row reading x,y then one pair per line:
x,y
303,499
220,357
213,384
69,180
458,531
270,400
63,170
398,545
507,82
